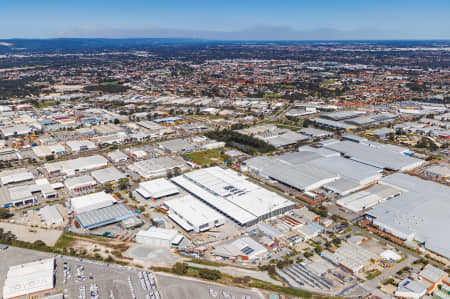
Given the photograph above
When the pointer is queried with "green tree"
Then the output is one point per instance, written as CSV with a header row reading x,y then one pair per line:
x,y
271,269
38,244
177,171
318,249
336,241
209,274
123,184
180,268
4,213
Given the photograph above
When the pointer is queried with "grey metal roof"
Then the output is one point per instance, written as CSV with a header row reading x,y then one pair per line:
x,y
316,133
411,286
382,131
332,123
108,174
298,157
372,119
376,154
347,168
340,115
286,139
343,186
79,180
291,170
318,150
432,273
104,216
117,155
424,209
177,145
354,137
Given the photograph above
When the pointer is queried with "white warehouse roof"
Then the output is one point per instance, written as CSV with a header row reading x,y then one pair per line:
x,y
51,215
107,175
155,167
30,278
15,176
80,164
79,145
91,201
421,212
233,195
194,212
157,188
79,181
368,198
156,233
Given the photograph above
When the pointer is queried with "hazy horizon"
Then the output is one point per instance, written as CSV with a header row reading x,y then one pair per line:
x,y
227,20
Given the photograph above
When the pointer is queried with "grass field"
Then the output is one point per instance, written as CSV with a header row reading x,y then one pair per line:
x,y
65,241
109,83
272,96
206,157
328,82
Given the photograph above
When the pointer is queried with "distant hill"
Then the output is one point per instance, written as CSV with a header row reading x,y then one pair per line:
x,y
67,44
88,44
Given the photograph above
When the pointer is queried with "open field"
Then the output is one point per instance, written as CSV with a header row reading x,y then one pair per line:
x,y
206,157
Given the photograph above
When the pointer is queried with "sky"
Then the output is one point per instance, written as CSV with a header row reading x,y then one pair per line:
x,y
227,19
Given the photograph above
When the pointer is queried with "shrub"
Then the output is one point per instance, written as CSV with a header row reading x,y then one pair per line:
x,y
209,274
4,213
180,268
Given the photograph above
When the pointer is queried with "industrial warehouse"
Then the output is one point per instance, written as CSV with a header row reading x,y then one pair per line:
x,y
91,201
156,189
15,176
103,216
159,237
192,214
420,213
310,169
233,195
28,279
157,167
384,156
368,198
71,167
99,209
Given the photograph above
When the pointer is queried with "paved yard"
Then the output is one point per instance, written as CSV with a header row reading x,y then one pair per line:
x,y
29,234
173,287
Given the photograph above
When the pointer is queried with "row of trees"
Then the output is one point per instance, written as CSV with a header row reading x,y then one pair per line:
x,y
182,269
8,238
245,143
